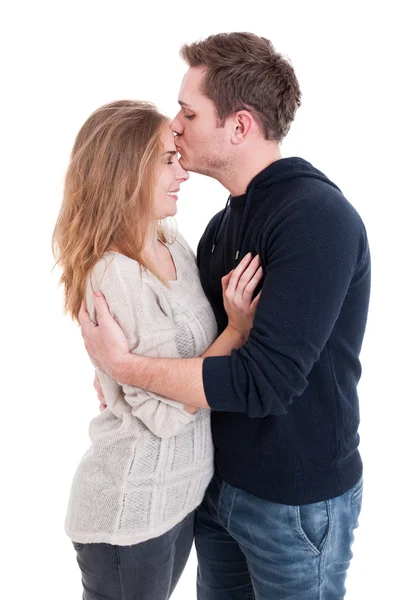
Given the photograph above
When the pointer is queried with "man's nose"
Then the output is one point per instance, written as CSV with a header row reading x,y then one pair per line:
x,y
176,127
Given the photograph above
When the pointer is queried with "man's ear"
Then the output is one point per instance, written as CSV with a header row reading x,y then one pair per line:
x,y
242,124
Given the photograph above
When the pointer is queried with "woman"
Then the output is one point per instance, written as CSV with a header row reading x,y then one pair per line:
x,y
131,508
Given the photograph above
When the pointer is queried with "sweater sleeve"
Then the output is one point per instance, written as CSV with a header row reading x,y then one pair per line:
x,y
150,331
310,258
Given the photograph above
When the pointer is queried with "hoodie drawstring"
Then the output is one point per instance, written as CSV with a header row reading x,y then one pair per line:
x,y
243,223
215,239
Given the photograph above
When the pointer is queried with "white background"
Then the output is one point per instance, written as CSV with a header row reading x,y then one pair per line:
x,y
60,61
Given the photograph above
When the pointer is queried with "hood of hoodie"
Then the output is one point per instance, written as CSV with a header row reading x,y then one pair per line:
x,y
279,171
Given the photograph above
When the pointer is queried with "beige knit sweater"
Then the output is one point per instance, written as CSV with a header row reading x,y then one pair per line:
x,y
149,462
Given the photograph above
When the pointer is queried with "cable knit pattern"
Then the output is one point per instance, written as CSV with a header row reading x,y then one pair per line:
x,y
150,461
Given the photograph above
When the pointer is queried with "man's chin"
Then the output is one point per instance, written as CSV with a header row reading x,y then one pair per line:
x,y
193,168
183,161
189,166
186,164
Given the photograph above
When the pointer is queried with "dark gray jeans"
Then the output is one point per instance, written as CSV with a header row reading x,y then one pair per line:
x,y
146,571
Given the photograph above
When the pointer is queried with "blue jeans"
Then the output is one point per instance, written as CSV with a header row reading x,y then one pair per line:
x,y
249,548
146,571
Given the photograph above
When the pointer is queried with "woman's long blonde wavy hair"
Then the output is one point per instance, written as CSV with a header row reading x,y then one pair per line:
x,y
108,193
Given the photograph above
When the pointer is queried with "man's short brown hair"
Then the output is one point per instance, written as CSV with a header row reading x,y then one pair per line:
x,y
245,72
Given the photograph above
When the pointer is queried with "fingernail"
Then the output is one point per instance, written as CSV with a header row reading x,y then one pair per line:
x,y
97,293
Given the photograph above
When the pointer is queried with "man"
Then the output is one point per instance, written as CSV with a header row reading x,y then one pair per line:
x,y
277,520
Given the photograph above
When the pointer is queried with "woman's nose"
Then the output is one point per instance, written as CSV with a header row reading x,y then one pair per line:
x,y
182,174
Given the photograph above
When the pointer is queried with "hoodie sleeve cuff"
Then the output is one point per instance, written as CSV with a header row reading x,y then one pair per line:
x,y
221,393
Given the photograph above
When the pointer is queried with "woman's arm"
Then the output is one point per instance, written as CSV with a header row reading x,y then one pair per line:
x,y
238,287
229,339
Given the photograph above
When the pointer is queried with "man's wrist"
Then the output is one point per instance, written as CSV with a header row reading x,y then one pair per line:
x,y
123,369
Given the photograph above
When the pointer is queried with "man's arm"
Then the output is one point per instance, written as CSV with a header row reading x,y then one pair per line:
x,y
176,378
180,379
317,251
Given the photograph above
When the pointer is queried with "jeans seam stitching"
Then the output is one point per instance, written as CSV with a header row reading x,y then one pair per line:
x,y
122,597
252,596
231,507
219,501
323,551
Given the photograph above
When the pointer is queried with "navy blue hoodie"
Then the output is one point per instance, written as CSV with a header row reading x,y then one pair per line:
x,y
284,406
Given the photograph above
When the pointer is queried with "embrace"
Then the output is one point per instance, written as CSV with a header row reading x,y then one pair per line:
x,y
227,379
